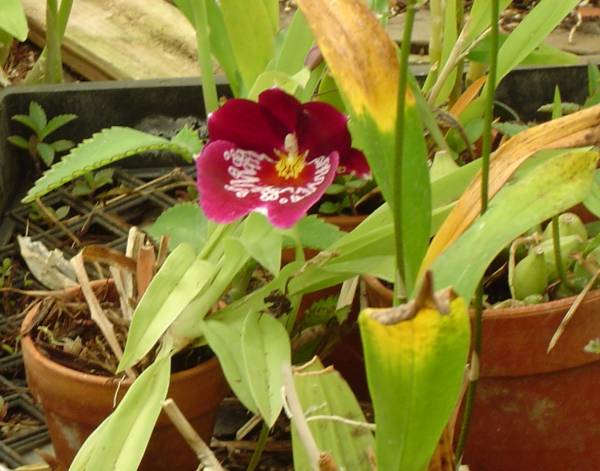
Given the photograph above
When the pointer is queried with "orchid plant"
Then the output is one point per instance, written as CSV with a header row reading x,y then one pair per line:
x,y
270,153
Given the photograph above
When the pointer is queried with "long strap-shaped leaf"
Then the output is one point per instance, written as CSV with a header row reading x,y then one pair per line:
x,y
104,148
578,129
121,440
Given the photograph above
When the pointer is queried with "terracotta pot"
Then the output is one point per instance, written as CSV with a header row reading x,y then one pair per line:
x,y
533,410
75,403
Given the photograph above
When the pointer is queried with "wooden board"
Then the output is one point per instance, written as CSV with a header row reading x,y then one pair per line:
x,y
122,39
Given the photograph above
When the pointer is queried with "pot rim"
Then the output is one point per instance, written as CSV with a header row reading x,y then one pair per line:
x,y
533,310
28,344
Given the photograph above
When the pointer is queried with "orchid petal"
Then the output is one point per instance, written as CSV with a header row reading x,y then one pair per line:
x,y
318,175
245,123
355,163
233,182
282,106
322,129
212,175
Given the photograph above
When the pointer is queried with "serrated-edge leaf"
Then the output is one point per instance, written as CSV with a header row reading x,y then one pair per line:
x,y
62,145
46,152
188,139
178,281
38,116
55,123
265,349
18,141
103,148
26,120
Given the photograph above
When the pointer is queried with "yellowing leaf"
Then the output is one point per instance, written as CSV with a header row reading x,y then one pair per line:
x,y
573,130
360,54
415,356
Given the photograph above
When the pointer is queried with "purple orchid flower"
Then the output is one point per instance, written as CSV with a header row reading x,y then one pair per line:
x,y
277,157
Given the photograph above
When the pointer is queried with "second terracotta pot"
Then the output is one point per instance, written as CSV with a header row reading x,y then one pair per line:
x,y
75,403
533,410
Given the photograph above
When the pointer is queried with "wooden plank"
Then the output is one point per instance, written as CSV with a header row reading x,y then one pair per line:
x,y
122,39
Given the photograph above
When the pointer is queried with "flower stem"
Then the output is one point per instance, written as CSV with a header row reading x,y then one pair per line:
x,y
485,170
397,182
209,88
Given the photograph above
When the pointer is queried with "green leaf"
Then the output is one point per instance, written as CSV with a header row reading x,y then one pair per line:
x,y
18,141
479,18
12,19
183,223
56,123
274,78
323,392
103,148
188,139
81,188
592,201
296,43
26,120
251,36
220,46
222,333
38,117
329,93
560,183
103,177
330,207
335,189
317,233
510,129
415,357
544,54
265,350
416,210
272,7
179,280
61,212
369,248
62,145
379,6
121,440
557,111
46,153
449,39
530,33
262,242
